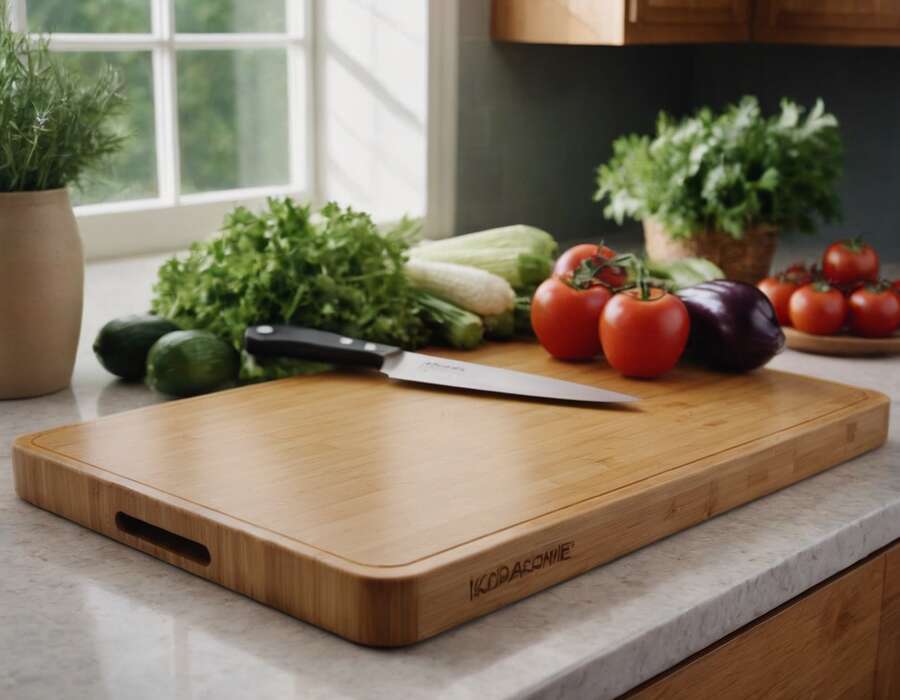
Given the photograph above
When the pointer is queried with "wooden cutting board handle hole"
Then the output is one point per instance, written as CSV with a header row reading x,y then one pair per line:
x,y
176,544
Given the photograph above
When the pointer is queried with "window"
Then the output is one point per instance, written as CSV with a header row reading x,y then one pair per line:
x,y
232,101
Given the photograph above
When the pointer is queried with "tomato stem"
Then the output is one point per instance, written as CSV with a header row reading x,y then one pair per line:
x,y
854,244
641,275
878,286
588,273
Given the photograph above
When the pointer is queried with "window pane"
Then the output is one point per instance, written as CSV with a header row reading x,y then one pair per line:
x,y
232,115
90,16
131,173
201,16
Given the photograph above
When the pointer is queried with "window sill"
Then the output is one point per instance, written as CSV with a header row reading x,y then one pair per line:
x,y
156,226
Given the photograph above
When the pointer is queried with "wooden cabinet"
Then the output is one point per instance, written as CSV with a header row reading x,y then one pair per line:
x,y
678,21
839,640
837,22
887,677
679,14
622,22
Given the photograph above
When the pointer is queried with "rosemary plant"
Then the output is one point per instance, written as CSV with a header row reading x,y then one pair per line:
x,y
53,125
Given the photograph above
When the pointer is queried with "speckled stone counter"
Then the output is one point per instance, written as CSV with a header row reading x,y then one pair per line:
x,y
84,617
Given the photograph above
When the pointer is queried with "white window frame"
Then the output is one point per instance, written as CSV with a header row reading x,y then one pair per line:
x,y
172,220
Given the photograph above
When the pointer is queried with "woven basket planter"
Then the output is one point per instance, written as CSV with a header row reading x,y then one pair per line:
x,y
747,259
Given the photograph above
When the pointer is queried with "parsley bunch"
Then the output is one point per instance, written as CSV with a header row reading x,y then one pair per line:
x,y
335,272
728,172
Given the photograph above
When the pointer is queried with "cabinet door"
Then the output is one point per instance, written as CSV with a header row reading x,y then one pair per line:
x,y
689,11
687,21
887,678
850,22
590,22
618,22
824,645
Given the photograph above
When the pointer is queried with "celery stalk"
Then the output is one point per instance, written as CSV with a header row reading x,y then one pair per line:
x,y
450,324
500,326
522,315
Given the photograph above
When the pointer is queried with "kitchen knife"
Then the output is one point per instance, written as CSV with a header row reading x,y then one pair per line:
x,y
309,344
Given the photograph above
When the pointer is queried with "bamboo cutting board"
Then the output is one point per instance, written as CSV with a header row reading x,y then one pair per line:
x,y
388,512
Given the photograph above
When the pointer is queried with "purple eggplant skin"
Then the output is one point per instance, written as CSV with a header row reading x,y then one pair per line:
x,y
733,325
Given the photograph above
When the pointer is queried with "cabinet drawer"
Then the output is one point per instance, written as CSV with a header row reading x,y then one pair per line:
x,y
688,12
839,640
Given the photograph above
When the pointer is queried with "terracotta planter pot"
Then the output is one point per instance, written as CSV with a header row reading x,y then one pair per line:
x,y
747,259
41,288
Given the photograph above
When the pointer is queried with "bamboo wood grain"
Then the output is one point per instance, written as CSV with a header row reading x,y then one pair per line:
x,y
842,345
823,645
887,678
388,512
620,22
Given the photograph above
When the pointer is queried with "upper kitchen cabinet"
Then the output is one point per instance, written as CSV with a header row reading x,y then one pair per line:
x,y
621,22
837,22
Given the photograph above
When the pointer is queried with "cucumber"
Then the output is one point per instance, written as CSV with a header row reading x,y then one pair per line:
x,y
186,363
122,344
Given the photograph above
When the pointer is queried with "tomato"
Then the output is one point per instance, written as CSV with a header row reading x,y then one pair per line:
x,y
851,287
644,337
568,262
896,286
574,256
850,261
565,319
874,312
613,276
779,291
799,274
818,308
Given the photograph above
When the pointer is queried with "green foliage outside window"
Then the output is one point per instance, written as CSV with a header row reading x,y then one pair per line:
x,y
232,104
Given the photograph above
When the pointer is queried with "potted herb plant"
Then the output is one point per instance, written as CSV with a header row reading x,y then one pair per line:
x,y
53,127
722,186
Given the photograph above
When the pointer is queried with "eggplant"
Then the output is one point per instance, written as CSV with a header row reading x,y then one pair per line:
x,y
733,325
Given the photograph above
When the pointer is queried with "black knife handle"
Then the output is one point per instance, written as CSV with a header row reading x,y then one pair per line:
x,y
308,344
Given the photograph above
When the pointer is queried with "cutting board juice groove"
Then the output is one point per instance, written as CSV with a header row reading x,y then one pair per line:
x,y
387,513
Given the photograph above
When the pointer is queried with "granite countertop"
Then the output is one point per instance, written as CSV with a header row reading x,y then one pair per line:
x,y
83,616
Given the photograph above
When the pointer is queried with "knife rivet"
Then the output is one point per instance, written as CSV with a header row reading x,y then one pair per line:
x,y
346,341
371,347
265,330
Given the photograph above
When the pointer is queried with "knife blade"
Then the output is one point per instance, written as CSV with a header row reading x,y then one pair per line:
x,y
306,343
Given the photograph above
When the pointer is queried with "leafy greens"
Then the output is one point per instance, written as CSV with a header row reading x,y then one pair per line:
x,y
728,172
334,272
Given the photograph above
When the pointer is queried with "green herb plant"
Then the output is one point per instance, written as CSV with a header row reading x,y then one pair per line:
x,y
728,172
334,272
53,126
